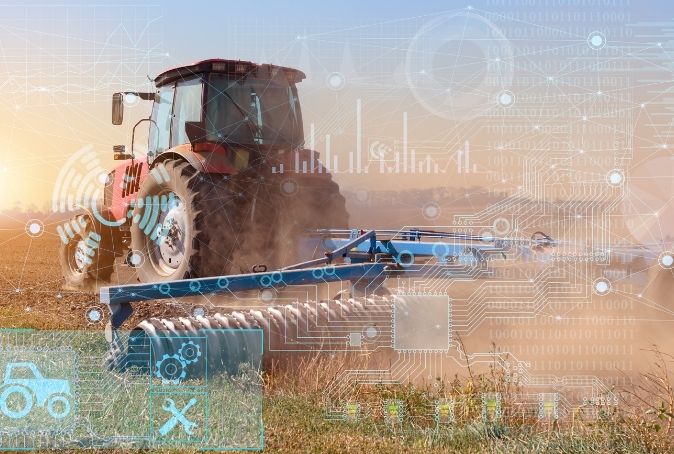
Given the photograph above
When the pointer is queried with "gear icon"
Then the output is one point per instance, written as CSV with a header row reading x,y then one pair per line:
x,y
171,369
189,352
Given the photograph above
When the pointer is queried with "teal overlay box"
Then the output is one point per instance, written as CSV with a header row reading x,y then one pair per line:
x,y
58,391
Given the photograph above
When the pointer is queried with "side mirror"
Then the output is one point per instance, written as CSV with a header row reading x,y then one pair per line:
x,y
195,130
120,153
117,108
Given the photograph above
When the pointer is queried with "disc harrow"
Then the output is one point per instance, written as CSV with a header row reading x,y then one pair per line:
x,y
170,344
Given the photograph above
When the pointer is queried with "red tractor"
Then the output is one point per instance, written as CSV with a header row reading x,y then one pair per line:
x,y
219,191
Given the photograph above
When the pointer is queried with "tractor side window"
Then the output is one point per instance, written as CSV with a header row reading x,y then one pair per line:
x,y
187,107
161,114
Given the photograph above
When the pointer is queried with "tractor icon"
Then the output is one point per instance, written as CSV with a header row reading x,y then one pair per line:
x,y
18,395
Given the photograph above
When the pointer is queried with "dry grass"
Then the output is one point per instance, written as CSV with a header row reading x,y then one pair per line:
x,y
295,416
294,401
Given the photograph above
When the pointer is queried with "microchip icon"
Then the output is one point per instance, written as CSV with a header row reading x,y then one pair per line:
x,y
548,405
352,411
444,411
491,407
393,411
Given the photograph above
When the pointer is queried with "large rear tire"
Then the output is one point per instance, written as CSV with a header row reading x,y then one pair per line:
x,y
196,226
88,258
25,395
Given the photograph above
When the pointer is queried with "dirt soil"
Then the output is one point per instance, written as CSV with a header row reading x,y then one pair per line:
x,y
32,293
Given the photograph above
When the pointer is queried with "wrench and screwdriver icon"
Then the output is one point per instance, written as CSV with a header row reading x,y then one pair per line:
x,y
178,417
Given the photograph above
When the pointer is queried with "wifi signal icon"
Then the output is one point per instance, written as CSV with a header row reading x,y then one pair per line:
x,y
91,243
70,229
145,213
160,174
379,151
79,181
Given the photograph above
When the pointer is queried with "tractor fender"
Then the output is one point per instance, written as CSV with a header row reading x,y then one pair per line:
x,y
182,153
122,189
210,158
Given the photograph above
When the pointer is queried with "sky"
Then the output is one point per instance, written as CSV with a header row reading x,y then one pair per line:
x,y
431,78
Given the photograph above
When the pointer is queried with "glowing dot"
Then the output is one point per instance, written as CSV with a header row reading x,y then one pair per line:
x,y
506,99
199,312
362,195
431,211
94,315
615,177
267,295
667,260
289,187
34,228
336,81
130,99
596,40
602,286
135,259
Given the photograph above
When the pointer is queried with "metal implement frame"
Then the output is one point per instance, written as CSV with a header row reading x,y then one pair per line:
x,y
366,258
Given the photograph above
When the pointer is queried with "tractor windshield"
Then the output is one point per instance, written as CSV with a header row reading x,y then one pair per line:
x,y
253,111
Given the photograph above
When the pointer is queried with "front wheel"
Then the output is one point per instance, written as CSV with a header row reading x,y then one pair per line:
x,y
58,406
87,257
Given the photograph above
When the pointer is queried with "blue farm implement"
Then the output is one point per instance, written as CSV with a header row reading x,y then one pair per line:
x,y
365,258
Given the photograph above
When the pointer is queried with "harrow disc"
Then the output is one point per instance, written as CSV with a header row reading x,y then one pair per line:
x,y
222,342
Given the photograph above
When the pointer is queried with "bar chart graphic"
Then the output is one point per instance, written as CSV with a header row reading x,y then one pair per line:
x,y
384,156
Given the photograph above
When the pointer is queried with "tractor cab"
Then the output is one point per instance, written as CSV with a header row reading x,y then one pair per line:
x,y
225,152
220,115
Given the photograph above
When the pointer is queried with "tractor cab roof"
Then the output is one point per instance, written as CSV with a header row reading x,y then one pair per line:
x,y
234,67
